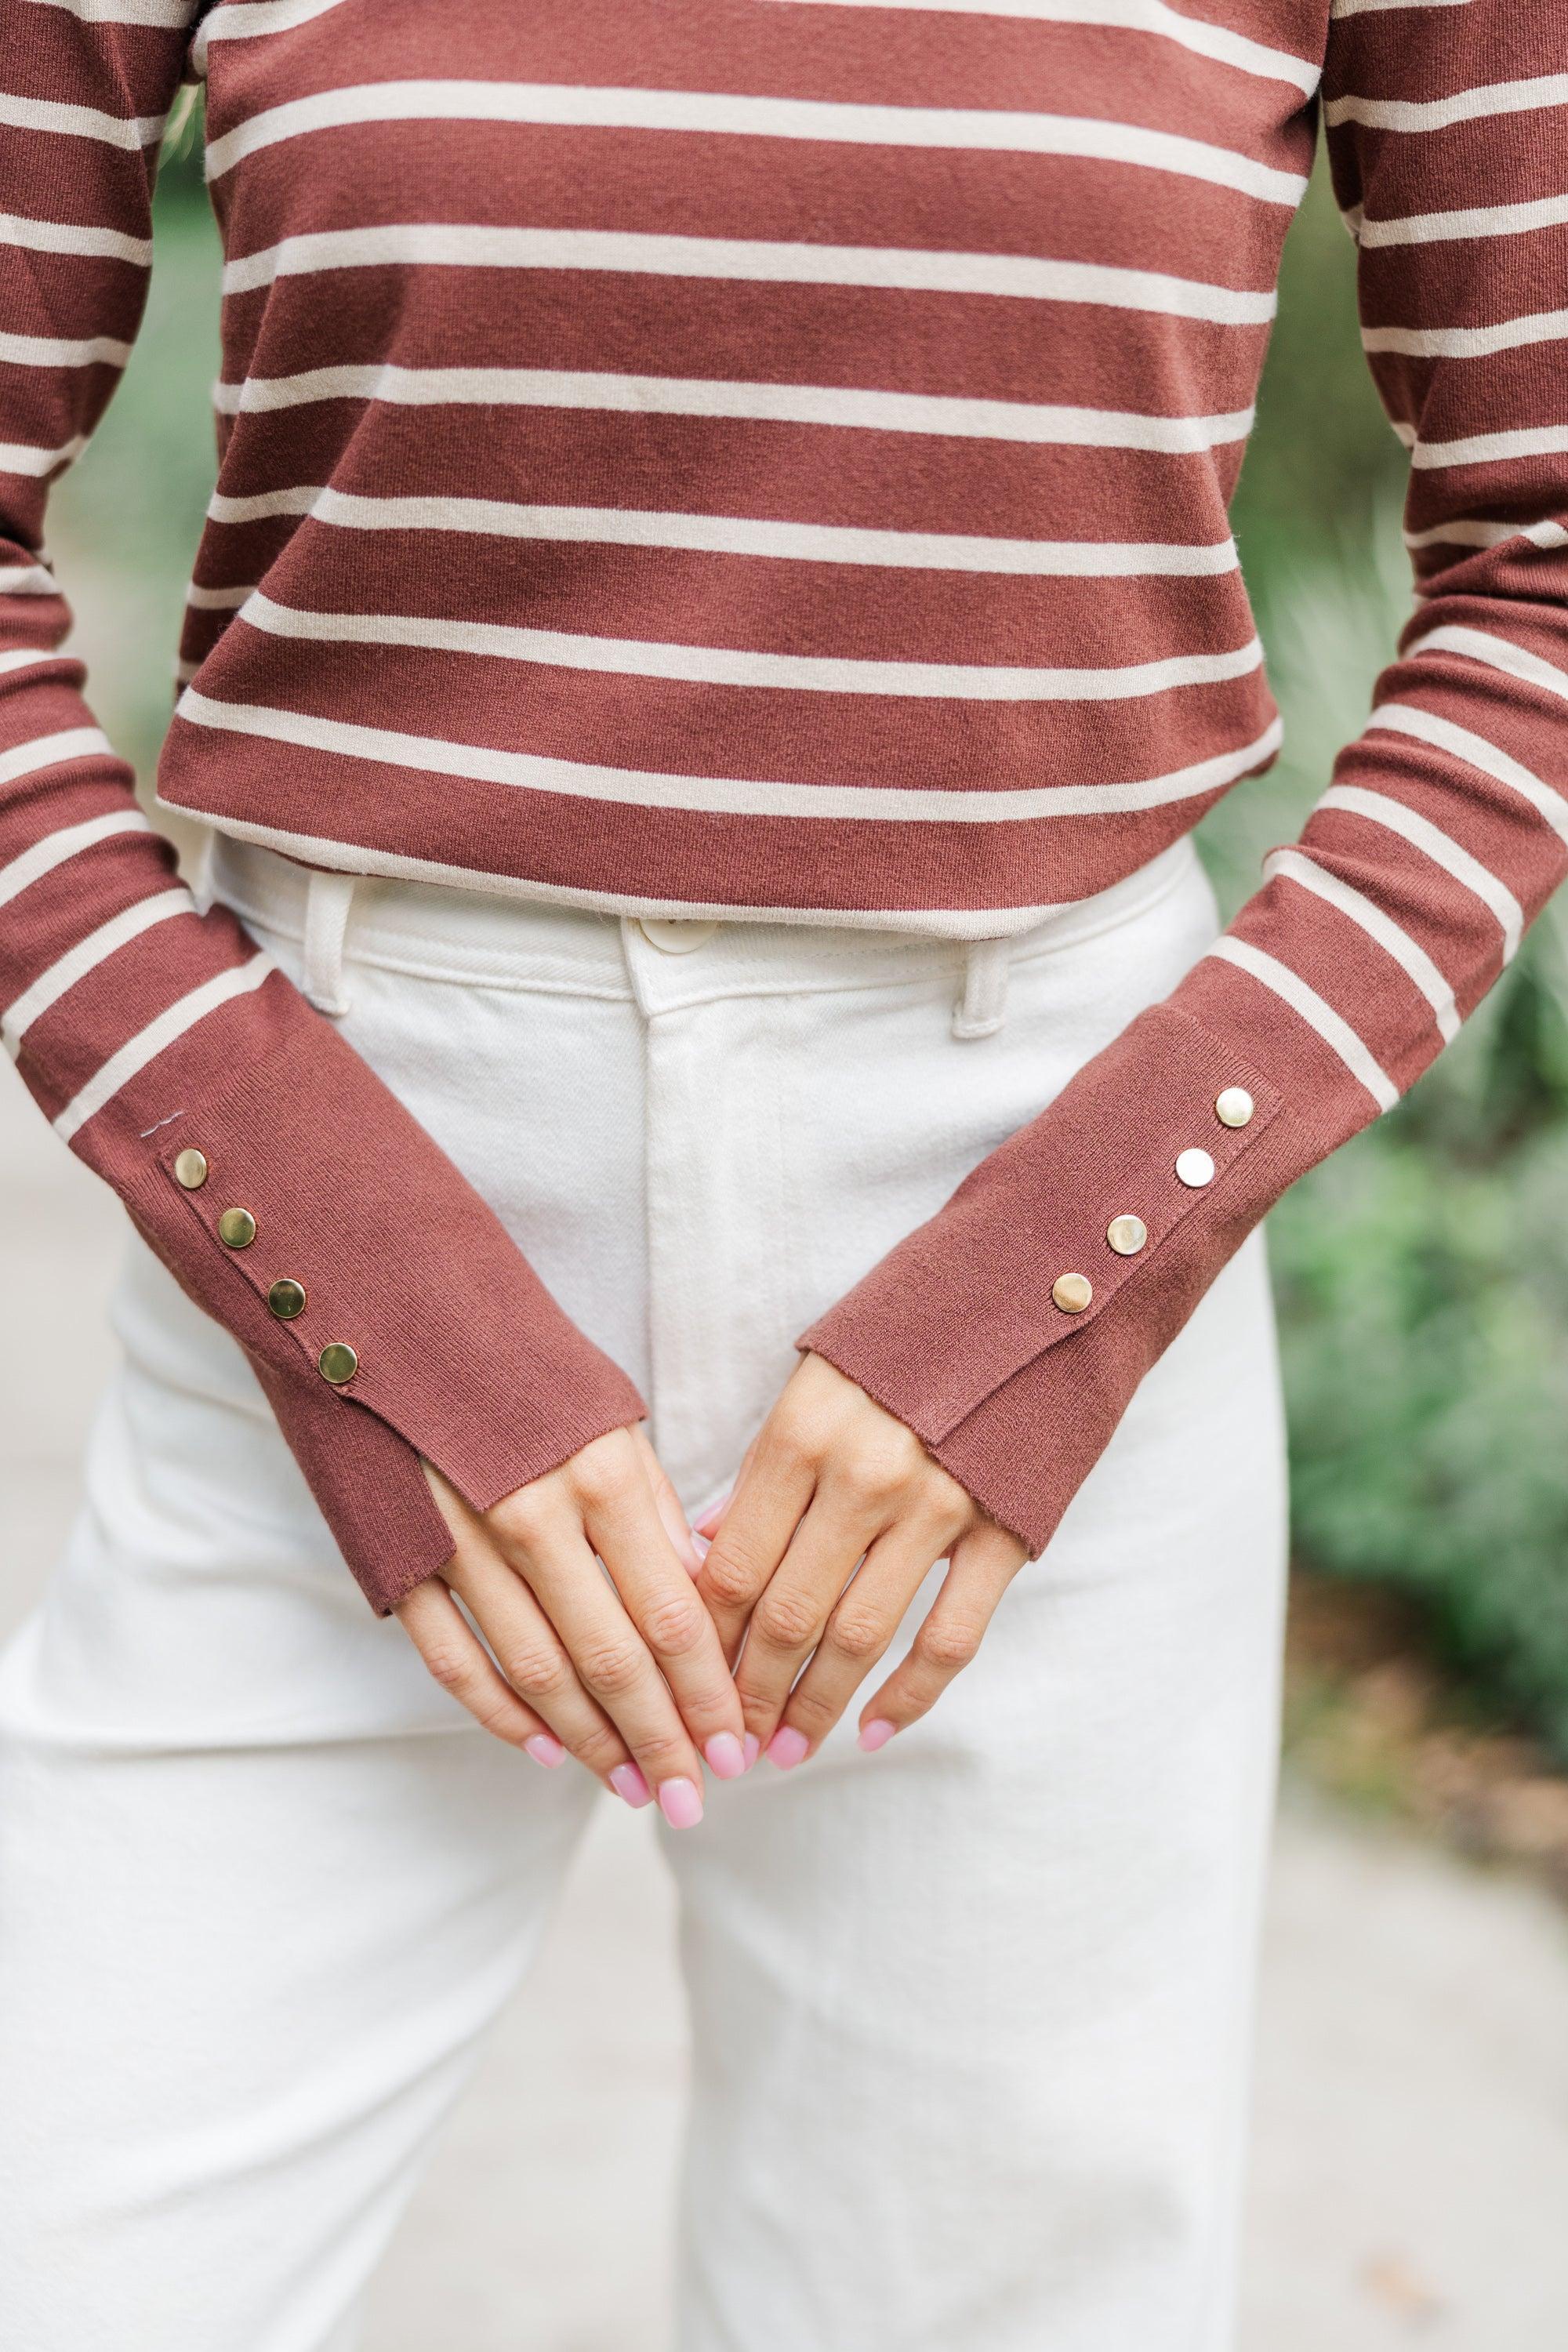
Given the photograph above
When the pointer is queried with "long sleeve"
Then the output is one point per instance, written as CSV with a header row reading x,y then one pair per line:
x,y
163,1046
1442,834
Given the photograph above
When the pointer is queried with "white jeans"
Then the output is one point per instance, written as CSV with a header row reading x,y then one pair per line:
x,y
970,2015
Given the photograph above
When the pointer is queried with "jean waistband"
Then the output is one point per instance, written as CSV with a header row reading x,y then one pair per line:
x,y
482,938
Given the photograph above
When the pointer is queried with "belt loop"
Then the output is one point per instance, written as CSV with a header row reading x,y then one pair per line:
x,y
202,863
328,898
982,1008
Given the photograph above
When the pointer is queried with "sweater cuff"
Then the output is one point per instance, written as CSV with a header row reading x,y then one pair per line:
x,y
386,1309
1011,1331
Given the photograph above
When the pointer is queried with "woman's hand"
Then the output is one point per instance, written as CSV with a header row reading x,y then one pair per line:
x,y
624,1670
833,1482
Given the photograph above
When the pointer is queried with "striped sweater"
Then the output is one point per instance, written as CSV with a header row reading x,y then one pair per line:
x,y
769,457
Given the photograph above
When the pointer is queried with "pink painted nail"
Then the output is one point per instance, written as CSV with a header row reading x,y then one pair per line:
x,y
680,1802
752,1747
545,1750
627,1781
708,1523
876,1734
788,1748
726,1757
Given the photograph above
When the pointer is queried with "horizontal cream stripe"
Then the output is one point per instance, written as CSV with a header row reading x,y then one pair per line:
x,y
1292,865
804,542
132,131
781,403
87,955
1373,8
1315,1010
725,665
56,849
71,237
729,797
28,580
1497,652
217,600
1425,727
259,18
1486,448
1478,105
49,350
1468,532
28,658
1380,808
1479,221
1468,342
19,457
1204,40
720,114
51,752
157,1037
895,268
172,14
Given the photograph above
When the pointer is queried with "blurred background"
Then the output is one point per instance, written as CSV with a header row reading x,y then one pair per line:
x,y
1412,2165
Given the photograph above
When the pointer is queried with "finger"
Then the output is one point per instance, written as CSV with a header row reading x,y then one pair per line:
x,y
610,1659
624,1527
788,1620
533,1659
857,1633
672,1518
983,1565
459,1662
771,1497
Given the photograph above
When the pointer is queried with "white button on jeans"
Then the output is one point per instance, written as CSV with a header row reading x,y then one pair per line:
x,y
674,935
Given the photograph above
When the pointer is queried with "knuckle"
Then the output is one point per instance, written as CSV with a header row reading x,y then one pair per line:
x,y
520,1519
676,1624
536,1673
789,1444
785,1620
662,1754
813,1713
857,1636
949,1644
729,1577
450,1667
611,1666
598,1747
597,1479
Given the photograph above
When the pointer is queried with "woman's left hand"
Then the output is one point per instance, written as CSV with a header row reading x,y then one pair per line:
x,y
834,1484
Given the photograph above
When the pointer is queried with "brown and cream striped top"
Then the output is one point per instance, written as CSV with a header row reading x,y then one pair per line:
x,y
772,456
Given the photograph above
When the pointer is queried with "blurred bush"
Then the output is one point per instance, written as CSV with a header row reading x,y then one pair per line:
x,y
1423,1273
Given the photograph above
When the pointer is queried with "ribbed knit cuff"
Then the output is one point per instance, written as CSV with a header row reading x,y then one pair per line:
x,y
1011,1331
423,1329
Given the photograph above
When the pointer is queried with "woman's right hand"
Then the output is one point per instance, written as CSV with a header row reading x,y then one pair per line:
x,y
624,1670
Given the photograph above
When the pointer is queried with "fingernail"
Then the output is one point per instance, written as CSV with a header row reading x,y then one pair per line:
x,y
788,1748
627,1781
545,1750
876,1734
752,1747
707,1524
680,1802
726,1757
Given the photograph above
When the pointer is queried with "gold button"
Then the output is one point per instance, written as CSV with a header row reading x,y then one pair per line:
x,y
1072,1292
287,1298
1233,1107
337,1362
236,1228
1127,1236
191,1170
1194,1167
